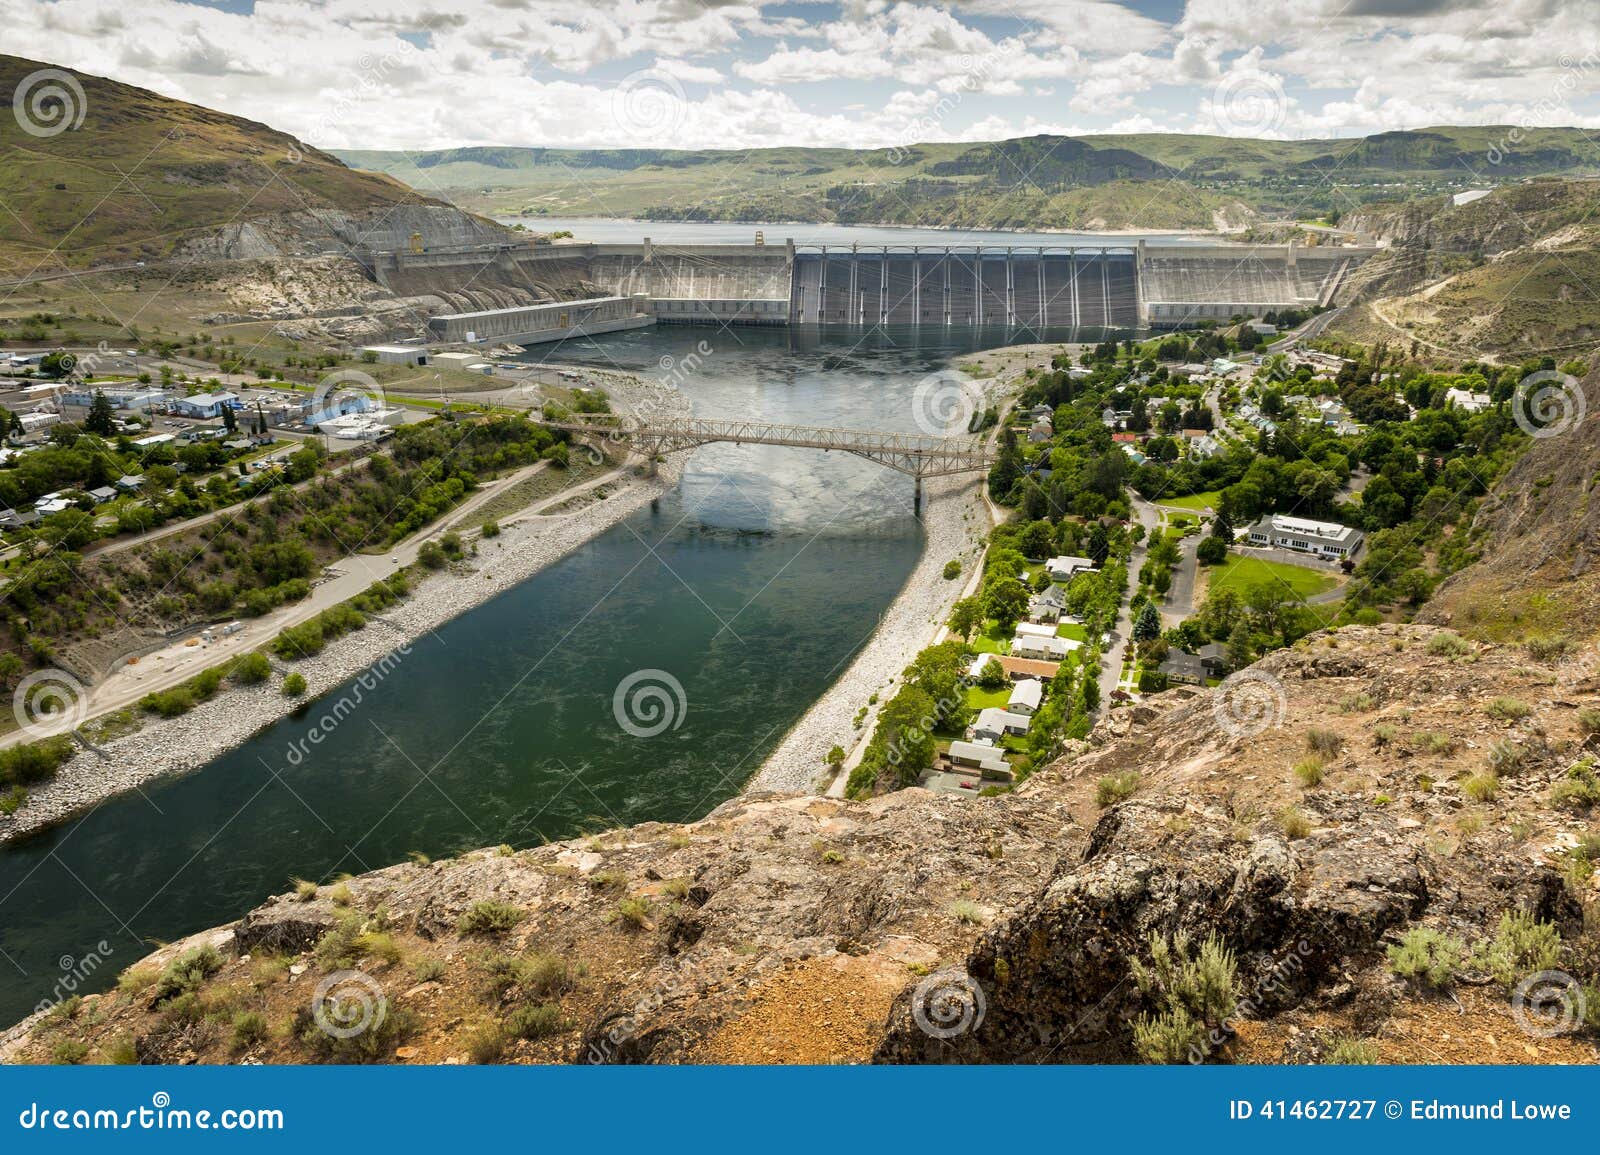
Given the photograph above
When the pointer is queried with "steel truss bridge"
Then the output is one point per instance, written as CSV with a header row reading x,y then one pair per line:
x,y
913,454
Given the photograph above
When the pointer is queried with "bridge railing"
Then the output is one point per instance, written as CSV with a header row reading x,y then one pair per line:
x,y
775,433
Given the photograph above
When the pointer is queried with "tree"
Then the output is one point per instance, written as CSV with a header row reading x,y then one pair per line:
x,y
1099,545
966,618
230,420
1007,468
1147,625
1211,551
102,417
1239,651
993,675
1005,600
10,669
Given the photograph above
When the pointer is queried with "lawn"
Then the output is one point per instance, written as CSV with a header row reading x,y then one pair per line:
x,y
1198,501
1241,573
980,699
1072,630
991,640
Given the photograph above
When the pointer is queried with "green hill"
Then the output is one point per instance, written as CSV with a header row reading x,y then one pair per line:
x,y
141,174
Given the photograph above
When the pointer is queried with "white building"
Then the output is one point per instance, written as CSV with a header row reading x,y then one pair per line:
x,y
1026,697
1064,568
994,723
399,354
1464,399
1323,538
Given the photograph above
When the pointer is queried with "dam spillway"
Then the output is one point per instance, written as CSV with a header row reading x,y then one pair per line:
x,y
1138,284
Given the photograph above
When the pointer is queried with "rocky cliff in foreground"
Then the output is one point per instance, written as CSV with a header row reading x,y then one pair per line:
x,y
1302,823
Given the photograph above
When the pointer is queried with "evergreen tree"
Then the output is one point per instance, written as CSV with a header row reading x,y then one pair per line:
x,y
1147,625
102,417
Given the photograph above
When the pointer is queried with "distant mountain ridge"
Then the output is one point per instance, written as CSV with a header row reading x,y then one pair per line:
x,y
1043,181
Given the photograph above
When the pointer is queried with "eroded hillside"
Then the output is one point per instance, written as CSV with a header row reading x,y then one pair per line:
x,y
803,929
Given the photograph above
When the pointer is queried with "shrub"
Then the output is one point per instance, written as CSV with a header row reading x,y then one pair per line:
x,y
1508,709
1194,996
1522,945
1547,649
431,554
1589,721
1324,743
251,669
1308,772
294,685
1482,787
1448,645
1352,1052
29,762
485,1042
186,973
1579,790
1294,823
967,913
11,801
633,911
427,970
835,757
1433,742
952,569
1427,956
1356,703
537,1021
69,1052
490,917
304,889
491,528
249,1028
1115,788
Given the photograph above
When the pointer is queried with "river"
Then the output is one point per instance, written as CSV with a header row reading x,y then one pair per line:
x,y
751,585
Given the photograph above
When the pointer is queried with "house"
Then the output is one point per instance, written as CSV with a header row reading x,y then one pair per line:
x,y
1214,657
994,723
1205,446
1466,400
1019,668
984,755
156,439
1040,432
204,405
1049,605
51,503
1051,649
1125,438
130,482
1026,697
1322,538
1065,567
1182,666
979,661
38,422
102,494
126,397
13,519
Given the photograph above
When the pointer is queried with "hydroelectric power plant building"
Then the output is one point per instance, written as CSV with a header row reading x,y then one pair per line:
x,y
1104,285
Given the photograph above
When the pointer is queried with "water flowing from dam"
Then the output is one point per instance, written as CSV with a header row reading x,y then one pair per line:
x,y
752,583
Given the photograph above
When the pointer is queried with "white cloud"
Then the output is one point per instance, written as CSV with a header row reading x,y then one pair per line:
x,y
432,73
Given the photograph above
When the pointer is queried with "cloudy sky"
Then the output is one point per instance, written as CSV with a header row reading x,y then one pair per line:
x,y
420,74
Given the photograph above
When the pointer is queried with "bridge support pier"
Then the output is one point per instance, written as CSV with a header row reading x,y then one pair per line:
x,y
916,504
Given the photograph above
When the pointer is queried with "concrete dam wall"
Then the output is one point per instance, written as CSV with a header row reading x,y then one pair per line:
x,y
1028,289
1110,286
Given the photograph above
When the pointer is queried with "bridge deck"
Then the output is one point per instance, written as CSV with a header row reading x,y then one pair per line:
x,y
912,453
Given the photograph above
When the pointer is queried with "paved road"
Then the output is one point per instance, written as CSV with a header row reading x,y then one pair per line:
x,y
1147,516
1179,602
